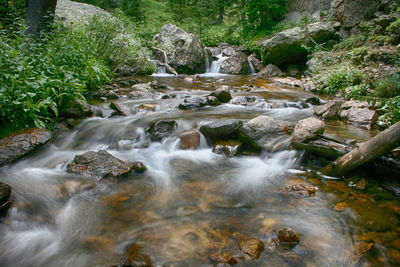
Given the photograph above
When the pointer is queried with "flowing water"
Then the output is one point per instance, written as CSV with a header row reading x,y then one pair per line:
x,y
189,204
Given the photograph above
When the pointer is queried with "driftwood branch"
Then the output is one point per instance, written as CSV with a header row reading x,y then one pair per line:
x,y
366,152
165,63
164,52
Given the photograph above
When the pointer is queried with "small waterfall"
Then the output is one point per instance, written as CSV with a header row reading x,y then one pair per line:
x,y
216,64
252,69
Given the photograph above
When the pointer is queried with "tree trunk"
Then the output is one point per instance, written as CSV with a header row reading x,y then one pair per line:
x,y
39,14
377,146
221,14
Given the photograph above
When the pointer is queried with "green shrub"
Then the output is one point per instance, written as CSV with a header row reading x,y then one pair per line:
x,y
339,80
353,41
388,87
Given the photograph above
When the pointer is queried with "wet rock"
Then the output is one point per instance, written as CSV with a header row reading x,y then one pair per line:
x,y
5,198
242,100
293,70
189,140
75,110
223,95
221,130
224,259
308,129
193,103
212,101
288,238
161,129
185,52
288,81
340,206
228,148
361,117
99,165
358,251
328,111
139,167
72,123
257,64
299,189
149,107
235,64
313,101
270,71
137,258
252,247
143,91
117,109
188,80
258,131
18,145
361,185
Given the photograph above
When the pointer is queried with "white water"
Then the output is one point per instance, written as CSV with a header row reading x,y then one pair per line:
x,y
216,64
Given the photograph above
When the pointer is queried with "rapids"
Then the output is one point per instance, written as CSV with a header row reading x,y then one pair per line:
x,y
189,204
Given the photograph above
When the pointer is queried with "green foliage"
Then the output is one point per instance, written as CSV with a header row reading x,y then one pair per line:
x,y
352,42
389,86
341,79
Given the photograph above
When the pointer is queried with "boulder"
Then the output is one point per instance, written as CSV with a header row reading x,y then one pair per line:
x,y
16,146
308,129
351,12
235,64
270,71
313,101
139,167
257,132
242,100
355,104
257,64
229,148
70,11
184,51
5,198
223,95
213,101
221,130
161,129
99,165
361,117
328,111
252,247
288,47
189,140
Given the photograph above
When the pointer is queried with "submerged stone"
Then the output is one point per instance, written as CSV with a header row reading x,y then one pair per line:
x,y
252,247
288,238
228,148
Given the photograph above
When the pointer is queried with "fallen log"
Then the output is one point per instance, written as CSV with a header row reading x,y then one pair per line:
x,y
377,146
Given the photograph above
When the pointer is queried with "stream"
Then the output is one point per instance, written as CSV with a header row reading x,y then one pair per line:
x,y
191,205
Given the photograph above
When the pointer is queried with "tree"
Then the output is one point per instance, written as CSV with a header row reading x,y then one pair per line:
x,y
40,13
261,14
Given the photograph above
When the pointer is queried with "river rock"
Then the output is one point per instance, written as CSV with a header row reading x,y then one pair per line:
x,y
242,100
257,64
228,148
258,131
16,146
185,51
137,258
328,111
5,198
288,238
223,95
213,101
235,64
308,129
252,247
139,167
361,117
313,101
75,110
288,47
193,103
189,140
221,130
161,129
99,165
117,109
270,71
